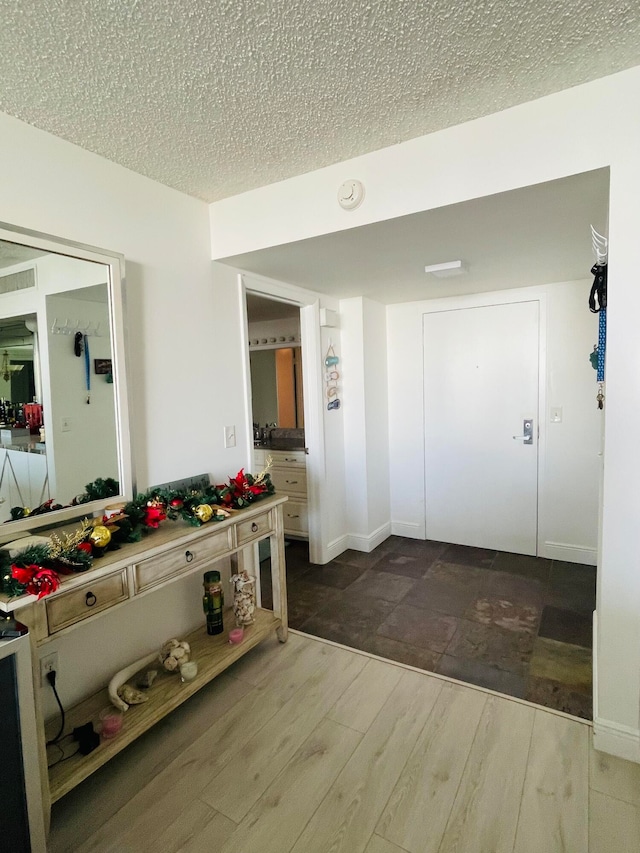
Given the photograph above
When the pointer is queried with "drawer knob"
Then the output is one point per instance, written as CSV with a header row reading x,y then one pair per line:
x,y
254,527
291,482
90,599
290,515
188,555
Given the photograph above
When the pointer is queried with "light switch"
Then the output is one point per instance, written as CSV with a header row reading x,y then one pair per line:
x,y
230,436
65,424
556,415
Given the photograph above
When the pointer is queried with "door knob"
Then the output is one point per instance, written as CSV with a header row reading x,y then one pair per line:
x,y
527,429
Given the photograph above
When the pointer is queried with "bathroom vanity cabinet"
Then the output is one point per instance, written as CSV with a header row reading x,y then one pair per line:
x,y
289,476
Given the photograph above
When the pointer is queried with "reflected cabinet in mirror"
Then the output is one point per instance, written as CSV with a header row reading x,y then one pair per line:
x,y
63,405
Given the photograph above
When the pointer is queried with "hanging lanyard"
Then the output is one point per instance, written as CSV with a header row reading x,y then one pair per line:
x,y
87,367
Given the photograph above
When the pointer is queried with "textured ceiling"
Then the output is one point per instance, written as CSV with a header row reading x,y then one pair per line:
x,y
215,98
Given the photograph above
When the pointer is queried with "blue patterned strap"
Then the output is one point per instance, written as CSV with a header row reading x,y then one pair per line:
x,y
602,344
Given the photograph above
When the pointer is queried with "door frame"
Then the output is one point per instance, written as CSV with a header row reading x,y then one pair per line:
x,y
506,297
310,339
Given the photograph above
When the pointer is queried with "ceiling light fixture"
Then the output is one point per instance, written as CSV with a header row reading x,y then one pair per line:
x,y
446,270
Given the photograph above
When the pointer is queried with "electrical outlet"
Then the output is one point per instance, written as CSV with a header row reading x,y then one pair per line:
x,y
48,663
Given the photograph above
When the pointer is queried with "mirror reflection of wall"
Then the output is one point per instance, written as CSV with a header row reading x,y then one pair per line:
x,y
83,435
276,387
45,298
275,362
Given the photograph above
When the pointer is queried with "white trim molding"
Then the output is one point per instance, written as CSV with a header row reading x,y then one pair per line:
x,y
569,553
369,543
408,529
615,739
334,549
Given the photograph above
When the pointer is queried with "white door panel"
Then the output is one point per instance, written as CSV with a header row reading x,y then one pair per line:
x,y
481,384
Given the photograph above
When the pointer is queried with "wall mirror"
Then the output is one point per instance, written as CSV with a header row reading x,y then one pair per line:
x,y
63,396
276,386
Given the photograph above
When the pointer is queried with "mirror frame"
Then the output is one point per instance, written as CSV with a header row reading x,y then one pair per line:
x,y
115,284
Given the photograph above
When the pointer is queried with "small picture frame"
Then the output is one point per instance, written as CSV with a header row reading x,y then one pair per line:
x,y
102,366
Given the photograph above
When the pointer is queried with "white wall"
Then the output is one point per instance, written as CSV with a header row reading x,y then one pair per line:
x,y
364,402
570,482
272,333
570,472
184,359
587,127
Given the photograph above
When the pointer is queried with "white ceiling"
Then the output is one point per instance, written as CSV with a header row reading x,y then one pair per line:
x,y
534,235
215,98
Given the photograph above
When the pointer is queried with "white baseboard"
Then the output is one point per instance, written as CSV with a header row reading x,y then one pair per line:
x,y
610,737
334,549
409,529
569,553
615,739
368,543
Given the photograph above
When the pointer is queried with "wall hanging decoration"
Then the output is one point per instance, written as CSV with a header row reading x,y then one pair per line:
x,y
598,305
331,378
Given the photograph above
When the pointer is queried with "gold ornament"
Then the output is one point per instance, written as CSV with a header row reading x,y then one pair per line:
x,y
100,536
204,512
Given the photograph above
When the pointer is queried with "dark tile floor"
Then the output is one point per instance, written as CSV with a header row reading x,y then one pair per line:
x,y
519,625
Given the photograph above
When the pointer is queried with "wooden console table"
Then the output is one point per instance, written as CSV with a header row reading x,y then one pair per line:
x,y
163,557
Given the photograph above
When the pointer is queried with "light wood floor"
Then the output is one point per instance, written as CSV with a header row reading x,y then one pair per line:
x,y
312,748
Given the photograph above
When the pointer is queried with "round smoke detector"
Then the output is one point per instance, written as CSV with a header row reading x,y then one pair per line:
x,y
351,194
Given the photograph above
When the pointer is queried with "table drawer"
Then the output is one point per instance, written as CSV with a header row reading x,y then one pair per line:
x,y
295,517
148,573
254,529
86,600
289,481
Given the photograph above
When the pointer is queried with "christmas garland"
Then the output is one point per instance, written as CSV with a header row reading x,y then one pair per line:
x,y
36,570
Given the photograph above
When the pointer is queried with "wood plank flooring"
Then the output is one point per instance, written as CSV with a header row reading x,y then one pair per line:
x,y
309,747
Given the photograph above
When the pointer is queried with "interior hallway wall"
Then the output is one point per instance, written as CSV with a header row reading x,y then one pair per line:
x,y
366,422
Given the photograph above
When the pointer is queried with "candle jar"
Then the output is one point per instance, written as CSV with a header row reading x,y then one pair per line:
x,y
188,671
111,720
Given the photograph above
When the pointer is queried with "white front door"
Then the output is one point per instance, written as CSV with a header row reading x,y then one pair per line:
x,y
481,386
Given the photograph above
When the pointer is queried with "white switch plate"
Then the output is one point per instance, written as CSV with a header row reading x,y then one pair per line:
x,y
556,415
65,424
230,436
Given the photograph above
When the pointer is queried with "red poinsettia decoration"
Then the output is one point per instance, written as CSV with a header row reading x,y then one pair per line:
x,y
242,489
37,581
154,512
